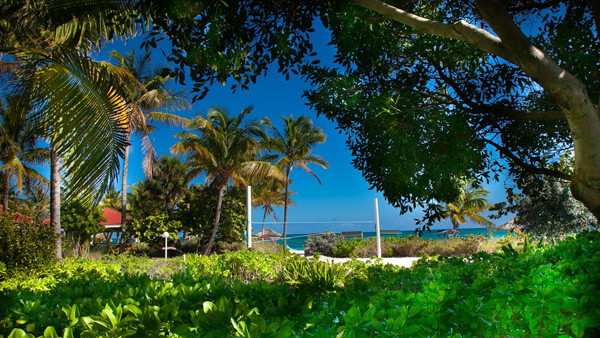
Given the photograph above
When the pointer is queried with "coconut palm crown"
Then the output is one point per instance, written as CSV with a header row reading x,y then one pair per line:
x,y
291,148
225,148
468,205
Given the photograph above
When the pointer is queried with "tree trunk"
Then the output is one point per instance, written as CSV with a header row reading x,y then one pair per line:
x,y
565,90
264,220
7,175
124,191
211,241
286,204
55,199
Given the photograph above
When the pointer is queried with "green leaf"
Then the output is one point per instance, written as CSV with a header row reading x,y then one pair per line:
x,y
50,332
208,306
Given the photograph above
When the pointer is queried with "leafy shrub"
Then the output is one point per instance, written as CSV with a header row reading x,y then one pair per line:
x,y
323,244
313,274
540,291
450,247
346,247
410,246
225,247
244,266
80,225
198,208
267,247
152,227
26,244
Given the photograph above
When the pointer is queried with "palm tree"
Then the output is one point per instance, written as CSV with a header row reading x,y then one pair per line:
x,y
269,194
49,45
467,206
225,148
147,92
18,138
111,199
293,147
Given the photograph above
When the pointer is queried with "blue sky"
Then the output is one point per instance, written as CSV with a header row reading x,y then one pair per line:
x,y
343,197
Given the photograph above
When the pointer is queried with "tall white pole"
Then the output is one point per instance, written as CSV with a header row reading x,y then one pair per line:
x,y
249,204
377,230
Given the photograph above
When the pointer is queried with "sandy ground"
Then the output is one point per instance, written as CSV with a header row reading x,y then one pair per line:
x,y
399,261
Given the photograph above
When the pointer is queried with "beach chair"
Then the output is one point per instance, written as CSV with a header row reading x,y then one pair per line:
x,y
351,234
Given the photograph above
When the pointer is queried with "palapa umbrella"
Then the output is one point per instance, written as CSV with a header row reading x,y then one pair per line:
x,y
270,233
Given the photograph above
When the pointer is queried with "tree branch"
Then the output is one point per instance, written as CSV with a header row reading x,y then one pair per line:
x,y
538,6
526,166
596,14
551,115
460,30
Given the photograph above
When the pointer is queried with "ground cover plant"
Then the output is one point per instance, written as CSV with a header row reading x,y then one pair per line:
x,y
539,291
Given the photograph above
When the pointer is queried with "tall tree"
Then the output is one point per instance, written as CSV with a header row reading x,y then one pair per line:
x,y
147,93
418,81
18,139
225,148
293,147
269,194
48,44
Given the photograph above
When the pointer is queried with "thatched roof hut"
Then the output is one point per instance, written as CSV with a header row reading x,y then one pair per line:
x,y
268,233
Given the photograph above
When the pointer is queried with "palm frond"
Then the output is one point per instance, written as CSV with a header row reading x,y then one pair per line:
x,y
86,119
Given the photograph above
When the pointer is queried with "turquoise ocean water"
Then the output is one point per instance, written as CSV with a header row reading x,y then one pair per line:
x,y
296,241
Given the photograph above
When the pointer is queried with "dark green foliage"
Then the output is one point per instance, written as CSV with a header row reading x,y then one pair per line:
x,y
197,213
420,111
161,194
26,244
232,40
542,291
549,210
152,227
80,224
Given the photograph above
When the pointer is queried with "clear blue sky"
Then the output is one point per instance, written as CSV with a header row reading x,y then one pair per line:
x,y
343,196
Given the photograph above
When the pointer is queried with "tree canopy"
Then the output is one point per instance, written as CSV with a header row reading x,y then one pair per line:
x,y
428,92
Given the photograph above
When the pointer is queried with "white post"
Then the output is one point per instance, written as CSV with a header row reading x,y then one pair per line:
x,y
166,236
377,230
249,204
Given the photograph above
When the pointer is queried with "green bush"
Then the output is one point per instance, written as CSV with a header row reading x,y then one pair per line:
x,y
410,246
539,291
80,224
346,247
26,244
323,244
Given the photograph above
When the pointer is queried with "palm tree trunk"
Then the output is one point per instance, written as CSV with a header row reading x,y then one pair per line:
x,y
55,198
124,187
6,190
124,191
264,220
211,241
286,204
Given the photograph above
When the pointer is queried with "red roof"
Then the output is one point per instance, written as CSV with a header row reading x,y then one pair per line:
x,y
20,217
112,216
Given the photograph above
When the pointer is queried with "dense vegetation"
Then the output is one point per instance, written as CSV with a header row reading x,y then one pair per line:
x,y
329,244
541,291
